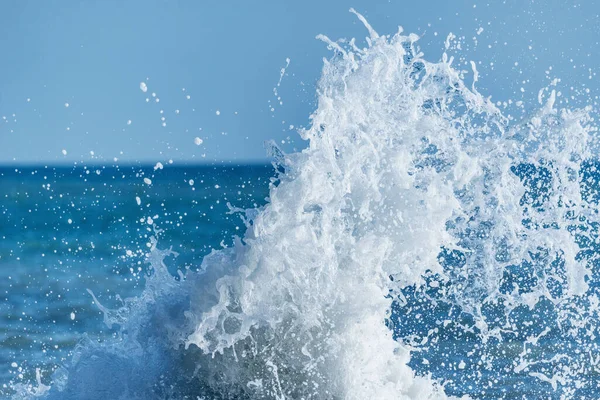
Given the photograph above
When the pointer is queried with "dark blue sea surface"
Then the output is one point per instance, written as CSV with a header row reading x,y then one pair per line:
x,y
67,230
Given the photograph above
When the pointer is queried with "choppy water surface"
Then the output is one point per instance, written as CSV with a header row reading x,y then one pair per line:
x,y
426,244
65,230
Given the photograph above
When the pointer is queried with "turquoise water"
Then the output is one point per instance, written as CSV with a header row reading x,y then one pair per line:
x,y
65,230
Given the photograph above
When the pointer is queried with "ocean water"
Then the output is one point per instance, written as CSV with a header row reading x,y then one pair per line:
x,y
67,230
426,244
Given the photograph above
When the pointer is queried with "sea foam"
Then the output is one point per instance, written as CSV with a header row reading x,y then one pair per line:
x,y
405,163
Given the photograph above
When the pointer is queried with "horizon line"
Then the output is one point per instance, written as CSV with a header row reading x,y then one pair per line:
x,y
140,164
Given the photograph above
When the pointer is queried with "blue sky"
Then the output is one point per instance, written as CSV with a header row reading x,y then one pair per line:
x,y
227,55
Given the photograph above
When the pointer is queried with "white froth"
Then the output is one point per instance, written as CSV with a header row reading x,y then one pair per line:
x,y
403,160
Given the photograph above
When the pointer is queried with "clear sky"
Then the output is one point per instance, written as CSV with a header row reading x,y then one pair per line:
x,y
227,56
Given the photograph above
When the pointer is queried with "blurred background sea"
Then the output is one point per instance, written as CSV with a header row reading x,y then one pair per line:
x,y
64,230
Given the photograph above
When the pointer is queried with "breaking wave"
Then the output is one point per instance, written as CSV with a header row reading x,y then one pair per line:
x,y
414,191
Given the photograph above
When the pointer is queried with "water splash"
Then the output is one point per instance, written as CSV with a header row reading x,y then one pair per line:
x,y
414,191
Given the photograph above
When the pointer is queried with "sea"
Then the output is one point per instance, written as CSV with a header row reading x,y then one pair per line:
x,y
66,231
426,243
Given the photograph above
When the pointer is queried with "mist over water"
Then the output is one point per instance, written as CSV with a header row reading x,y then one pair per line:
x,y
424,245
